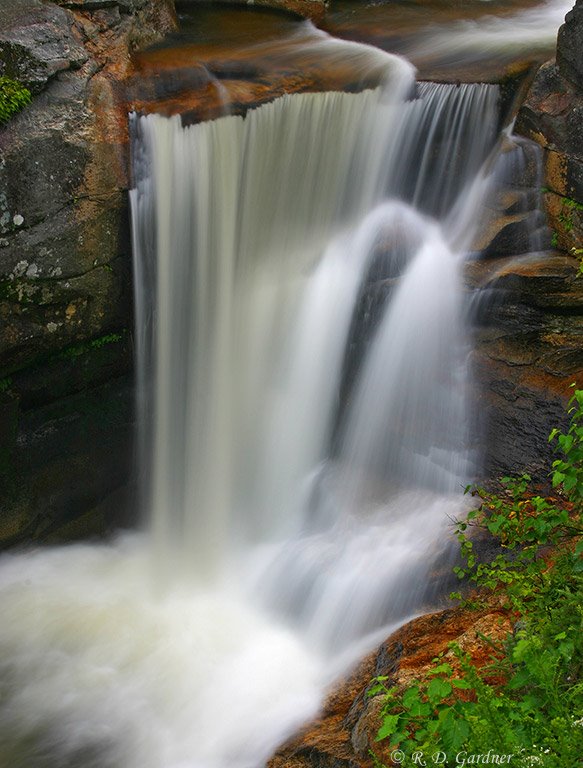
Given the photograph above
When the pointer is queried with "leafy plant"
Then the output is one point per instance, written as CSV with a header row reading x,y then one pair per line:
x,y
528,700
578,254
568,472
13,98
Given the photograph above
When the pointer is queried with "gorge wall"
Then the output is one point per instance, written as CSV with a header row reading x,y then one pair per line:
x,y
66,414
530,345
65,265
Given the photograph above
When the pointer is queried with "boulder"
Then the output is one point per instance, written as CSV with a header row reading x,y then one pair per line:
x,y
36,42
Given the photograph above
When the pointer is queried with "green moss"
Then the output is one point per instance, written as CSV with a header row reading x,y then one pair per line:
x,y
78,350
13,98
568,208
570,203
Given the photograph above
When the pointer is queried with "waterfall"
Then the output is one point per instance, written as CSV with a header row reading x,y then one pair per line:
x,y
265,228
300,457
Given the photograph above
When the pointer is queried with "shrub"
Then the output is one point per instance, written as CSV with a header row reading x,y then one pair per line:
x,y
568,471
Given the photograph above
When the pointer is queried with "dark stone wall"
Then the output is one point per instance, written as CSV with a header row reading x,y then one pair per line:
x,y
66,409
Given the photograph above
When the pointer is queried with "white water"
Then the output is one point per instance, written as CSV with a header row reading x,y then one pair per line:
x,y
289,531
526,30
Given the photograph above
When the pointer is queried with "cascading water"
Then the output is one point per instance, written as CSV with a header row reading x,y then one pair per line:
x,y
265,228
297,488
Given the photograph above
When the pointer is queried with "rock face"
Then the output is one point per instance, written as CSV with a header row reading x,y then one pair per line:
x,y
64,254
65,281
344,734
552,116
37,42
569,46
528,351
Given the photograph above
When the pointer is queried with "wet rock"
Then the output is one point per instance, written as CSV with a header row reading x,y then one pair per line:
x,y
512,220
36,42
530,337
309,9
75,369
344,734
43,157
9,406
564,174
69,458
509,234
528,351
552,115
570,45
126,6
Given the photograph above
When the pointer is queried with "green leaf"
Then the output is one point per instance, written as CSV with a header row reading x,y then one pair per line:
x,y
388,727
441,669
453,730
411,696
438,689
419,709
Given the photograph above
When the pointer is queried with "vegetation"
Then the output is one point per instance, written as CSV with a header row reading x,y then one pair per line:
x,y
528,701
568,207
78,350
13,98
578,254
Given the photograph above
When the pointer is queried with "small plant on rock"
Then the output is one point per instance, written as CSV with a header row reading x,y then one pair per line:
x,y
13,98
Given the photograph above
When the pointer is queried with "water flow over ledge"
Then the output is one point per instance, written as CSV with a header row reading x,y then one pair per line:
x,y
265,229
285,521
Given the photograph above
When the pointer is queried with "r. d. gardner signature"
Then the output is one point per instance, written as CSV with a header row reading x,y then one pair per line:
x,y
462,759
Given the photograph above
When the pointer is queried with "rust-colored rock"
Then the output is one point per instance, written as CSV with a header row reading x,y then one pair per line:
x,y
344,734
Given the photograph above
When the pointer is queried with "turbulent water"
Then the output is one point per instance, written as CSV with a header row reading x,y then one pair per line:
x,y
297,483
